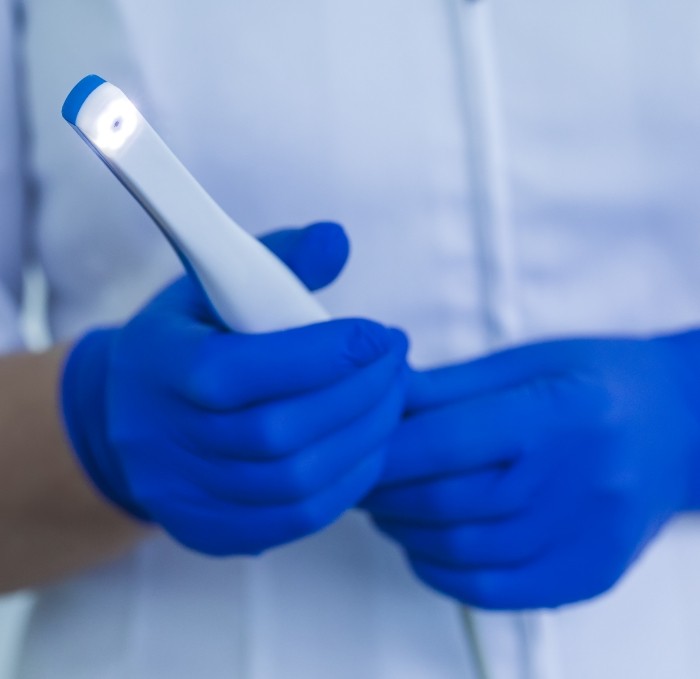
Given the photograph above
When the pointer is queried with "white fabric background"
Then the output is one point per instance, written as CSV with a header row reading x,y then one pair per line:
x,y
13,609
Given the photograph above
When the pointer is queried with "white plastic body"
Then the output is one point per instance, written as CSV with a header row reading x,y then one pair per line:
x,y
250,289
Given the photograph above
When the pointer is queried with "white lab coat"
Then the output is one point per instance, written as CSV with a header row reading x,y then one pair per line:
x,y
507,170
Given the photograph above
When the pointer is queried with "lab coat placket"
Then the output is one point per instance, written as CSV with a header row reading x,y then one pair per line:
x,y
504,645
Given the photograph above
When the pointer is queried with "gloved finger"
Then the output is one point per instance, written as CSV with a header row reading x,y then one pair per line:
x,y
218,527
226,371
294,478
502,542
558,578
182,305
327,506
285,426
491,493
463,437
316,253
500,371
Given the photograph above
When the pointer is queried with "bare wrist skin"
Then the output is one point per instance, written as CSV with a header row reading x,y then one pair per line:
x,y
53,523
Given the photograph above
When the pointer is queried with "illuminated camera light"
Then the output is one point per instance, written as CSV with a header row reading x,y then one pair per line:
x,y
115,125
102,113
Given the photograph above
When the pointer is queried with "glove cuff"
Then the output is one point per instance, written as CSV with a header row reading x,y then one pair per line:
x,y
84,410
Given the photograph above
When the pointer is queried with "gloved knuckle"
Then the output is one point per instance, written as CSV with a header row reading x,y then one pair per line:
x,y
596,405
461,585
365,341
544,398
147,494
271,432
300,479
203,380
122,434
480,590
452,546
308,517
605,576
526,547
516,494
615,494
437,504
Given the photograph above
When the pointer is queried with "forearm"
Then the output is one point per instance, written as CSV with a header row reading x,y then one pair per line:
x,y
52,521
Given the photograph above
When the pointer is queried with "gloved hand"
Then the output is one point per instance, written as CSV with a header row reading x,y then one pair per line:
x,y
535,477
236,443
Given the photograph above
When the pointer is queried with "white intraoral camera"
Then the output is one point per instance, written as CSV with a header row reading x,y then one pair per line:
x,y
249,288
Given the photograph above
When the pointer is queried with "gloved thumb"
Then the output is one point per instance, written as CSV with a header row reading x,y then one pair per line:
x,y
316,253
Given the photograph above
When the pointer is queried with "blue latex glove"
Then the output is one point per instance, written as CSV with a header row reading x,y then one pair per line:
x,y
536,476
236,443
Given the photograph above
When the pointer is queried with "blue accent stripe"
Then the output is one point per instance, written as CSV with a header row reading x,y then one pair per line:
x,y
78,95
